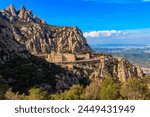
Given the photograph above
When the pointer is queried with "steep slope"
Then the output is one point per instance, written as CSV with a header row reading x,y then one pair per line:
x,y
21,71
41,38
118,68
9,47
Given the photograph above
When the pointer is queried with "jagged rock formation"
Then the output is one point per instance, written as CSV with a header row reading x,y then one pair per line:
x,y
117,68
41,38
21,71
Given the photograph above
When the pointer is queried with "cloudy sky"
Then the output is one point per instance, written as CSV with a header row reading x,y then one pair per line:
x,y
136,36
102,21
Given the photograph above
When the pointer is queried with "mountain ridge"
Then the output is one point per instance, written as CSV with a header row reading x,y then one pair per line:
x,y
41,38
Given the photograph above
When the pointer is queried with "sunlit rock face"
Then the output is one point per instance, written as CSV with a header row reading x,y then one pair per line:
x,y
41,38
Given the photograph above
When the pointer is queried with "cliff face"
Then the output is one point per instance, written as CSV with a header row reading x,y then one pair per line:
x,y
117,68
21,71
9,47
41,38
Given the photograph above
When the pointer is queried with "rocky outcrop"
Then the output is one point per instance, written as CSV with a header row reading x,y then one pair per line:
x,y
119,68
21,71
9,47
41,38
12,10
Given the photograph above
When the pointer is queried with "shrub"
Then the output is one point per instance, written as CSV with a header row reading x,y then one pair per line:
x,y
10,95
92,92
37,94
134,89
109,89
74,93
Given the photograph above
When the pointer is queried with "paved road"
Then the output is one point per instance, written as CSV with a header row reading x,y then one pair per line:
x,y
80,61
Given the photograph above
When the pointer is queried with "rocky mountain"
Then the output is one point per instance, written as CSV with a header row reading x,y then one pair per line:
x,y
41,38
118,68
23,35
21,71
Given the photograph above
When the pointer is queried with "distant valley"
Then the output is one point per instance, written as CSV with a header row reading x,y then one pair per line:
x,y
137,54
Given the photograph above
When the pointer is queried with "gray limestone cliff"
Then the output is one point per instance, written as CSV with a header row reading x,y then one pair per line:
x,y
41,38
119,68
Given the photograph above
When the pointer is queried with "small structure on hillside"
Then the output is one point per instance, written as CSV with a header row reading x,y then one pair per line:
x,y
65,57
57,57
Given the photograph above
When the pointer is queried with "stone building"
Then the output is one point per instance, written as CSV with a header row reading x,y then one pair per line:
x,y
65,57
56,57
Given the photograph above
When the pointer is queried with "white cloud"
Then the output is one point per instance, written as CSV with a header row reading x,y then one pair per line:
x,y
105,33
137,36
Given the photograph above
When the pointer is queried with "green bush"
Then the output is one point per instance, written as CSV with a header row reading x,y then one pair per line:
x,y
135,89
37,94
10,95
109,89
92,92
74,93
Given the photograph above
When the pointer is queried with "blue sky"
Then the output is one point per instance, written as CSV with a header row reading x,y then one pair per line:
x,y
93,15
